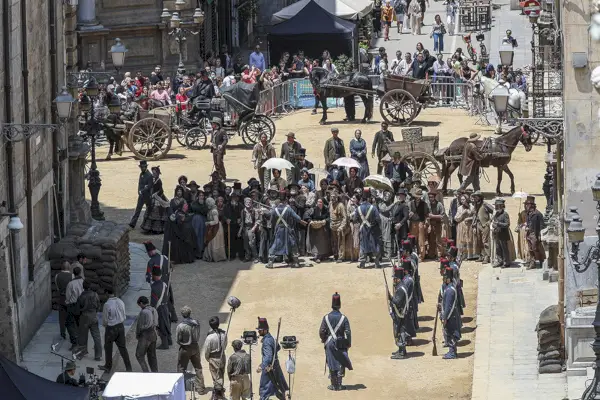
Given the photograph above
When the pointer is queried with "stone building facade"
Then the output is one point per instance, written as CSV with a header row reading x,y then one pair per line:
x,y
138,24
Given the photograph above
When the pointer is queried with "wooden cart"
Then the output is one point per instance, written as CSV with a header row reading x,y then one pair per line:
x,y
419,154
402,98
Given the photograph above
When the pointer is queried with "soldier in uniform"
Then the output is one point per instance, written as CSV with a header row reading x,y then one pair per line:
x,y
289,151
368,217
272,380
501,232
159,299
380,142
408,253
145,182
163,262
218,143
335,333
535,223
399,304
284,238
188,337
481,225
411,321
339,226
450,315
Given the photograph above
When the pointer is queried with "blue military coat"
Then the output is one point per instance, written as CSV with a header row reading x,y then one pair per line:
x,y
451,312
283,221
410,318
367,216
156,260
267,386
336,355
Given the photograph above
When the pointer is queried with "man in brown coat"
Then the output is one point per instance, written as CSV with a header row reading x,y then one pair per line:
x,y
470,163
289,151
334,148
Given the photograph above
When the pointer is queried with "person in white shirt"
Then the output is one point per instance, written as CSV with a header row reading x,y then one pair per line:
x,y
396,62
219,70
214,351
402,68
113,316
383,65
229,79
72,292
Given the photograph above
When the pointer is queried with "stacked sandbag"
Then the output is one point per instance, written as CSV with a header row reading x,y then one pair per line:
x,y
550,359
106,246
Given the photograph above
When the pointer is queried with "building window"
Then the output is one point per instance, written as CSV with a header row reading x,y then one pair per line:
x,y
41,221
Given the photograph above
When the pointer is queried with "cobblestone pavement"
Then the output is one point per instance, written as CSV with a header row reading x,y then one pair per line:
x,y
509,303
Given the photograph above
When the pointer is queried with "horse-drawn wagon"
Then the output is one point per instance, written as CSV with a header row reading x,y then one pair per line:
x,y
418,152
402,98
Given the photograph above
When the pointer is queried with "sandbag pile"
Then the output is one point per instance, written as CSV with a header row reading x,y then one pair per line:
x,y
549,352
106,246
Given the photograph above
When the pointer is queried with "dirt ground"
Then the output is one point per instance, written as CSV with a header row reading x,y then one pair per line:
x,y
302,296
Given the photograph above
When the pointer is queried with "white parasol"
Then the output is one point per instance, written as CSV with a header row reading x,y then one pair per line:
x,y
277,163
346,162
520,195
378,182
318,171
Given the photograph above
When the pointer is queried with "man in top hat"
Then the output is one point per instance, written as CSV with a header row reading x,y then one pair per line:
x,y
272,380
339,226
202,92
334,148
437,214
501,234
380,143
470,163
233,220
165,267
418,214
283,220
399,305
535,223
253,184
521,229
67,374
397,171
301,164
262,151
289,151
159,300
368,217
335,333
450,314
145,182
217,146
400,216
481,227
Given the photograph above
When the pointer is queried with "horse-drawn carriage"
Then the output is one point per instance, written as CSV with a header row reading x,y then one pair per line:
x,y
419,152
403,98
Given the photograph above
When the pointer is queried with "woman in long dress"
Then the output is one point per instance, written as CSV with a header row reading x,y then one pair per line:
x,y
354,228
358,151
179,231
199,210
319,240
156,216
385,214
464,235
215,240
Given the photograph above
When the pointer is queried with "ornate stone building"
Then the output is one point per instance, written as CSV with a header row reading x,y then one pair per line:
x,y
138,24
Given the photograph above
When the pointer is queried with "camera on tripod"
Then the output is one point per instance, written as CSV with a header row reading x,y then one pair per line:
x,y
289,343
250,337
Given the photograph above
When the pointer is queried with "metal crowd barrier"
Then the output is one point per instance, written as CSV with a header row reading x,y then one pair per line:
x,y
475,16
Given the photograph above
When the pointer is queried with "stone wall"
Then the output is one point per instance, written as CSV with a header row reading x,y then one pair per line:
x,y
106,245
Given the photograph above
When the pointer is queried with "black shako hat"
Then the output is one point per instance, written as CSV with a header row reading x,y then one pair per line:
x,y
149,246
336,300
453,252
263,324
398,272
407,246
407,265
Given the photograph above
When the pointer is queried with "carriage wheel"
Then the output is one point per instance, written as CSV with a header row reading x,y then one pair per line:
x,y
180,136
150,139
195,139
271,124
424,164
398,107
251,130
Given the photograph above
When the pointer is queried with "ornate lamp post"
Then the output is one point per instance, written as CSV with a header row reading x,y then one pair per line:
x,y
180,29
576,234
500,96
92,126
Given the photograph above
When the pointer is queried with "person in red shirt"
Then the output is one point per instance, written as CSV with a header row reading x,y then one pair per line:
x,y
181,99
249,75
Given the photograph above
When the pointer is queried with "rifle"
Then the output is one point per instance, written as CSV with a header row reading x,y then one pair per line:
x,y
434,351
280,393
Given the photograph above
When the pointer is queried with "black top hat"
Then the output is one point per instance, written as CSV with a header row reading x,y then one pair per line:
x,y
263,324
149,246
336,300
252,181
401,191
156,271
302,152
193,184
293,186
237,185
143,163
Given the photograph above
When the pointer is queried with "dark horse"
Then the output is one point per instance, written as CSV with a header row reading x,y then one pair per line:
x,y
497,153
355,80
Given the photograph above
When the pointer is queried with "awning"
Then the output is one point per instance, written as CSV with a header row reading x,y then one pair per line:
x,y
345,9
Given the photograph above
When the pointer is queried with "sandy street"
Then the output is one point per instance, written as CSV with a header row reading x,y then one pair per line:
x,y
302,296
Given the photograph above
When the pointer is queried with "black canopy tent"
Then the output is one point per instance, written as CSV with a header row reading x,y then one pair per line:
x,y
19,384
312,30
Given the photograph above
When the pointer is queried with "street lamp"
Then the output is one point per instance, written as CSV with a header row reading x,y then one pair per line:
x,y
181,29
64,104
500,95
117,52
506,55
576,235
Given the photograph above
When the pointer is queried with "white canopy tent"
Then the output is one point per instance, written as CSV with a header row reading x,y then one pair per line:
x,y
145,386
346,9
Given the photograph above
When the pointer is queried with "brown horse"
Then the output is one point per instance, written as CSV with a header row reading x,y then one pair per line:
x,y
492,148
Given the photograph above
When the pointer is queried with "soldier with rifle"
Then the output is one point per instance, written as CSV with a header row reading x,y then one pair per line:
x,y
399,305
157,259
455,265
272,380
411,321
336,335
408,253
283,220
159,300
449,311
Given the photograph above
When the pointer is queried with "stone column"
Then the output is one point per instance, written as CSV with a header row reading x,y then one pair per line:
x,y
79,208
86,15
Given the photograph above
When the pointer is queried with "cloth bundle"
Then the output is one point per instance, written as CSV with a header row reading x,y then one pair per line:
x,y
550,357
